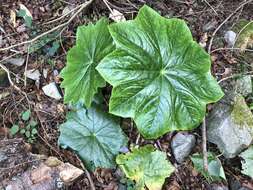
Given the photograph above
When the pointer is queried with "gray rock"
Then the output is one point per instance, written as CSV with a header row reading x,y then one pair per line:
x,y
181,145
218,187
51,90
230,37
230,125
243,85
16,61
235,184
33,74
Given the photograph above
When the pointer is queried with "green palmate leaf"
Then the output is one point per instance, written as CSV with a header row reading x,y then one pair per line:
x,y
247,163
94,135
215,169
81,80
146,166
160,76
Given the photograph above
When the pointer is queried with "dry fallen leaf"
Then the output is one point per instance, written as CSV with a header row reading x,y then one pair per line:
x,y
13,18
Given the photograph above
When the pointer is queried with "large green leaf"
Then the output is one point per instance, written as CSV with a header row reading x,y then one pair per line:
x,y
94,135
146,166
81,80
247,163
215,169
160,76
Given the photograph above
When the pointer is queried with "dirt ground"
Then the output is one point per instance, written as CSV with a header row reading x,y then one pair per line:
x,y
202,16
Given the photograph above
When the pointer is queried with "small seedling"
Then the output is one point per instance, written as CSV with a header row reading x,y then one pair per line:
x,y
29,131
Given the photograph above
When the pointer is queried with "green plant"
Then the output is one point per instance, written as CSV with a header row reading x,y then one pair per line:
x,y
161,79
142,166
215,169
95,136
81,79
30,129
247,162
26,15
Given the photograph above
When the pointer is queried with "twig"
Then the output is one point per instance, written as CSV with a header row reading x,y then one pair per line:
x,y
217,29
21,164
26,65
204,146
234,76
106,3
8,74
84,5
5,59
12,83
87,174
239,33
211,7
231,49
62,16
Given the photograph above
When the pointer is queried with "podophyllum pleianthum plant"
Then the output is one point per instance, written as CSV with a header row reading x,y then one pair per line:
x,y
160,77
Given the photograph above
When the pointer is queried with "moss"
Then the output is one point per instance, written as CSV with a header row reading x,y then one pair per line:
x,y
241,113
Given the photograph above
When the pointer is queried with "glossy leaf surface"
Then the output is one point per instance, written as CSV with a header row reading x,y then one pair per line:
x,y
161,77
81,80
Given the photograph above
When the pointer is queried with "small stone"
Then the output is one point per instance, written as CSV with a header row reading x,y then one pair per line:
x,y
55,72
235,184
51,90
182,144
45,72
16,61
230,37
243,85
209,26
33,74
230,125
70,173
124,149
218,187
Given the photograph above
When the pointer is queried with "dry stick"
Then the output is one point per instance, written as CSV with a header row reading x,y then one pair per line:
x,y
211,7
64,15
204,138
8,74
87,174
106,3
204,145
26,65
238,49
217,29
233,76
84,5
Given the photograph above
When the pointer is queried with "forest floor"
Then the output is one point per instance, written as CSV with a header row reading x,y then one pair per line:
x,y
203,18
